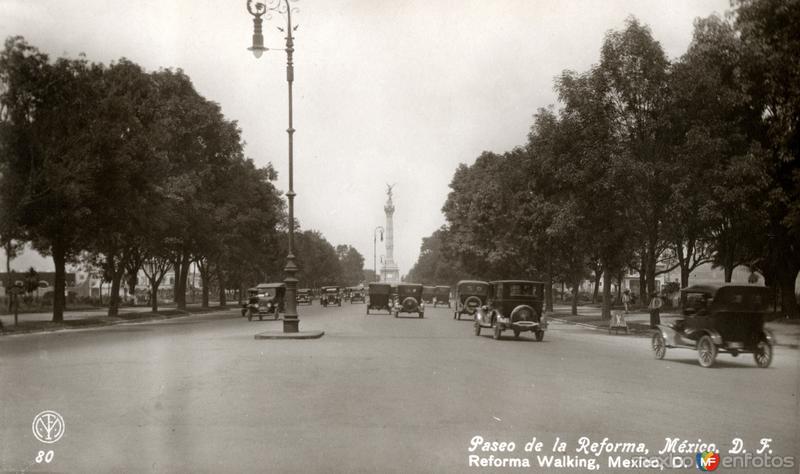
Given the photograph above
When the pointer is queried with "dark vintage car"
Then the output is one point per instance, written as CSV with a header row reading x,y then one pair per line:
x,y
380,297
720,318
304,296
442,296
515,305
409,300
357,295
470,295
428,294
265,300
330,295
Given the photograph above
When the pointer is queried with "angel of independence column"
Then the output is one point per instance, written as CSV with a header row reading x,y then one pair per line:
x,y
389,271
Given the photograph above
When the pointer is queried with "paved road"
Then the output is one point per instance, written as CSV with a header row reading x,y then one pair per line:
x,y
375,394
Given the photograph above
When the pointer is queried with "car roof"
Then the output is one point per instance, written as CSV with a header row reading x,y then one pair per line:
x,y
464,282
713,287
409,284
516,281
270,285
376,283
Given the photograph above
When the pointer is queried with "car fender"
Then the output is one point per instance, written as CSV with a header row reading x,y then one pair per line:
x,y
716,338
769,336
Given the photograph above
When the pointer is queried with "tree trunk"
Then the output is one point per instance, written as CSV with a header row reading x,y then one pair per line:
x,y
223,298
9,279
620,279
642,285
685,272
153,296
575,285
59,285
548,289
606,313
180,282
597,275
729,272
113,302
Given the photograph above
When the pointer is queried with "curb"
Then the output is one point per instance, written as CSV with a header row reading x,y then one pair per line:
x,y
102,324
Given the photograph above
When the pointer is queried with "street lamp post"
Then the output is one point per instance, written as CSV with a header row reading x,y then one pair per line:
x,y
375,251
291,321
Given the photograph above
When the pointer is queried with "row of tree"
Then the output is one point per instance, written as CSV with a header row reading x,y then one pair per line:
x,y
129,171
648,164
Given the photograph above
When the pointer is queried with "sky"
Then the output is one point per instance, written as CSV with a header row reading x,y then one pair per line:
x,y
396,92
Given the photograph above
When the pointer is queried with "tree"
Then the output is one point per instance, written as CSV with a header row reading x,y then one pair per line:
x,y
49,126
769,31
351,263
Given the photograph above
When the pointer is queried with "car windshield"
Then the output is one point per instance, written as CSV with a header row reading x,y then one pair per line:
x,y
696,302
410,290
524,289
266,292
379,290
473,289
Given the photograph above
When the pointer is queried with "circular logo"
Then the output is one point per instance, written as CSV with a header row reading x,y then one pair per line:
x,y
48,426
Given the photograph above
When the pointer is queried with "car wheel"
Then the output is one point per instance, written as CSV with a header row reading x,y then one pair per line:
x,y
276,314
516,333
539,335
367,309
421,315
497,331
763,354
250,315
477,329
706,351
658,345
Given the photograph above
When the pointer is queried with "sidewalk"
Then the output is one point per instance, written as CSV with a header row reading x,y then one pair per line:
x,y
787,333
42,322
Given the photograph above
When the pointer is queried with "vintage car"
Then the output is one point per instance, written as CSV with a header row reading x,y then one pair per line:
x,y
330,295
720,318
515,305
470,295
357,295
409,300
304,296
428,294
442,296
266,299
380,297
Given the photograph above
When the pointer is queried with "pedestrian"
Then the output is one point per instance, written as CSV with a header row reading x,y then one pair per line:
x,y
655,310
626,299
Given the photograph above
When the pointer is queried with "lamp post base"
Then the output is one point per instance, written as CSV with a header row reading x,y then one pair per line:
x,y
290,335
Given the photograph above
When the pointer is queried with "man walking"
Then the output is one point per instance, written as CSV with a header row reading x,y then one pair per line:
x,y
655,310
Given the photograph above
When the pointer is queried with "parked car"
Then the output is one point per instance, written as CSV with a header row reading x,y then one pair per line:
x,y
720,318
380,297
265,300
470,295
442,296
428,294
357,295
330,295
409,300
304,296
515,305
